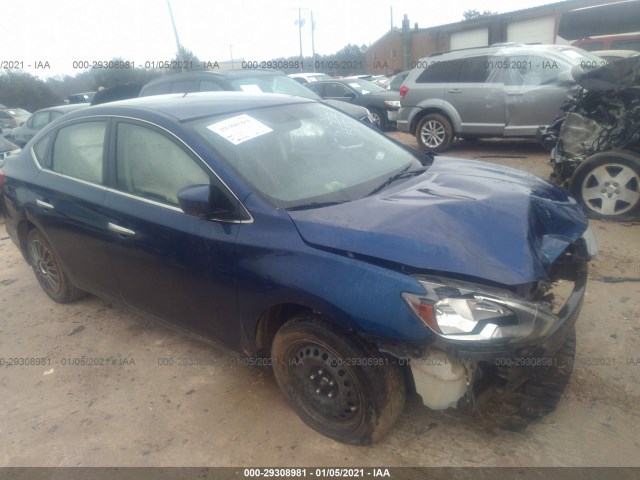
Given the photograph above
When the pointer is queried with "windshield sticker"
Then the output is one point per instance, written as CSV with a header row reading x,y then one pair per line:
x,y
251,88
239,129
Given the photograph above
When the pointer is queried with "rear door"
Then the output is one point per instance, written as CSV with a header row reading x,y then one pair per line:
x,y
68,204
534,91
178,267
477,94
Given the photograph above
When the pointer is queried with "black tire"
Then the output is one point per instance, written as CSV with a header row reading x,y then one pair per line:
x,y
48,270
345,399
607,184
434,133
379,118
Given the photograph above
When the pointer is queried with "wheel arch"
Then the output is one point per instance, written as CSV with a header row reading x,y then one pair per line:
x,y
445,110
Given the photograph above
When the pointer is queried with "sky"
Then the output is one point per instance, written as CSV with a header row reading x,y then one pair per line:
x,y
61,32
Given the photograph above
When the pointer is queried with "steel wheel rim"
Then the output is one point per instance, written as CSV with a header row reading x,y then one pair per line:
x,y
45,266
432,134
376,118
326,384
611,189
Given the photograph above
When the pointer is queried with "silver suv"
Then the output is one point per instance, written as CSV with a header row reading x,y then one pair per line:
x,y
505,90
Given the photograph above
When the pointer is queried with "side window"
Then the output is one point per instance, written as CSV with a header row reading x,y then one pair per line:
x,y
209,86
184,86
40,120
78,151
336,90
474,70
532,70
41,148
157,89
55,115
440,72
152,166
316,88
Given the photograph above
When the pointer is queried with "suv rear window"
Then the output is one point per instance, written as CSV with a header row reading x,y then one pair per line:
x,y
440,72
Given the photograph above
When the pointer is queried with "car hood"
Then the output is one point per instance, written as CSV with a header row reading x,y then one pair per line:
x,y
350,109
460,217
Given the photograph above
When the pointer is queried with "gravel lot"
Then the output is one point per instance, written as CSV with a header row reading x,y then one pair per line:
x,y
137,412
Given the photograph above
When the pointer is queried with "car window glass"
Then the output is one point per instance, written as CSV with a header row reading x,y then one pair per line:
x,y
55,115
184,86
532,70
158,89
474,70
592,46
209,86
336,90
439,72
41,147
625,45
78,151
40,120
152,166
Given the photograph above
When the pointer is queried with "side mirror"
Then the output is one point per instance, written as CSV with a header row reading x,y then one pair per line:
x,y
205,201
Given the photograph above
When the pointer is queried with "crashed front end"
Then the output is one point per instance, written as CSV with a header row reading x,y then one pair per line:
x,y
498,347
603,116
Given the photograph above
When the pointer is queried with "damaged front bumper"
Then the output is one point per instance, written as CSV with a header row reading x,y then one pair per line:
x,y
465,373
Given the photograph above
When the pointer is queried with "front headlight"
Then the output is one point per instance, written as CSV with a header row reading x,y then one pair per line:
x,y
463,311
392,103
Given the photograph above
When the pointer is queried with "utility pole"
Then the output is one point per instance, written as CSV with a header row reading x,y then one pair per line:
x,y
313,45
300,31
173,23
231,53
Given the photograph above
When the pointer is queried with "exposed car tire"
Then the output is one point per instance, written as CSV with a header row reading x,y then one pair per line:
x,y
434,133
607,184
379,118
48,270
338,387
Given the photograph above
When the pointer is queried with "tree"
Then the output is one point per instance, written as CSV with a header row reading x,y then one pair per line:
x,y
22,90
473,14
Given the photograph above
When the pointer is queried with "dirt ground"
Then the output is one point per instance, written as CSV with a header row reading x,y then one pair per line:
x,y
134,410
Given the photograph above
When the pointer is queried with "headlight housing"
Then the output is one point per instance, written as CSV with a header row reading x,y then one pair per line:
x,y
392,103
467,312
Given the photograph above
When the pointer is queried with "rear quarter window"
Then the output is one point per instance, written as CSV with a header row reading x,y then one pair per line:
x,y
78,151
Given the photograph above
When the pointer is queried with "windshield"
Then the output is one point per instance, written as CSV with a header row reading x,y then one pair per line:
x,y
272,84
305,154
364,87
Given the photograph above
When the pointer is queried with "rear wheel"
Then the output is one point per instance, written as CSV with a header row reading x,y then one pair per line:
x,y
379,118
434,133
608,185
338,387
48,270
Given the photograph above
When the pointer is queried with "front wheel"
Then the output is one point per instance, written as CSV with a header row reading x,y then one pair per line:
x,y
434,133
337,387
608,185
48,270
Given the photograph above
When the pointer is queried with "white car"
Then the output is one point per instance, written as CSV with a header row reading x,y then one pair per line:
x,y
304,78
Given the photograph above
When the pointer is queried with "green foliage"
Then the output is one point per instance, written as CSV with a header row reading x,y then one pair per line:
x,y
473,14
22,90
349,60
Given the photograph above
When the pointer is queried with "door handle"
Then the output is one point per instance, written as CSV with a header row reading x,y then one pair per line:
x,y
454,90
45,205
120,230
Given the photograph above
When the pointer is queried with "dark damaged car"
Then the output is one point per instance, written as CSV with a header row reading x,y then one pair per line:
x,y
596,143
359,270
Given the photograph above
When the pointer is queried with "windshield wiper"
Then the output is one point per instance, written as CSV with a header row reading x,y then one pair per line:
x,y
398,176
307,206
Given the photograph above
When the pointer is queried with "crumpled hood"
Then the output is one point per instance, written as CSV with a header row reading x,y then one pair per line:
x,y
462,217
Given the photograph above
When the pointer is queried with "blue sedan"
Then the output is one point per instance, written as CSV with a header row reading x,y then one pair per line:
x,y
358,269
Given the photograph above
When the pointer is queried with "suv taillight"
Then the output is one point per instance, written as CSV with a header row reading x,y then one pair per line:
x,y
403,91
1,181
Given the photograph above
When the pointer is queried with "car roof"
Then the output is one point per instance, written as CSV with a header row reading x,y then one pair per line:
x,y
189,106
64,108
223,74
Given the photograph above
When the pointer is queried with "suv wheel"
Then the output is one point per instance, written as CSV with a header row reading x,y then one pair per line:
x,y
434,133
608,185
347,400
